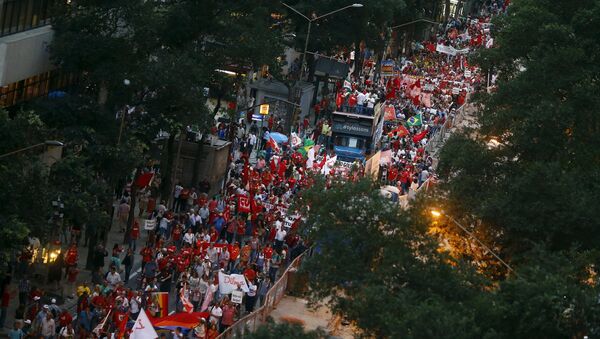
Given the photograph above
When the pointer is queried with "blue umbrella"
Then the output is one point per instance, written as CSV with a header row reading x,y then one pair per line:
x,y
278,137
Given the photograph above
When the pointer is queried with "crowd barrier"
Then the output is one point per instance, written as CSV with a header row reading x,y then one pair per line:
x,y
250,322
436,141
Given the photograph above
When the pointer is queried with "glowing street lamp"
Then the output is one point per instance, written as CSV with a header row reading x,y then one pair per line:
x,y
438,214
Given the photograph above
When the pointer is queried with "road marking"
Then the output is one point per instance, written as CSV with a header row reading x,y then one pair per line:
x,y
135,273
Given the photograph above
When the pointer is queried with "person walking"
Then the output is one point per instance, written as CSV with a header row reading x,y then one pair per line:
x,y
128,263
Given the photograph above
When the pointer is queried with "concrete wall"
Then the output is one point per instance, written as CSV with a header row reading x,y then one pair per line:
x,y
213,165
25,54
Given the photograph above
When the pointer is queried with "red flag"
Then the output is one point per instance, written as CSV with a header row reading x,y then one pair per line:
x,y
144,179
430,47
187,305
243,204
418,137
322,163
401,131
121,323
273,144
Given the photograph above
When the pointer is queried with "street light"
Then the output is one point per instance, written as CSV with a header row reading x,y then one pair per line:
x,y
48,143
438,214
310,21
126,83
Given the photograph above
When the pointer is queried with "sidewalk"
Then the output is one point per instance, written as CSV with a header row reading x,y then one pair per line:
x,y
38,275
295,310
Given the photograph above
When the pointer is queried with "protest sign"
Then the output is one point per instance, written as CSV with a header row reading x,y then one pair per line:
x,y
230,282
237,296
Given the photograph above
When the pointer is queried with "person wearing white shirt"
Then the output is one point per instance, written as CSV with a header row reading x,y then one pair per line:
x,y
252,140
278,224
113,277
360,101
189,237
279,237
215,314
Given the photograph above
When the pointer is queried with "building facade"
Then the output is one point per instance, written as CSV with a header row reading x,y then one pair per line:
x,y
25,36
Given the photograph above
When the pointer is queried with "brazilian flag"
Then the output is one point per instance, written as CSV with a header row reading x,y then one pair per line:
x,y
416,120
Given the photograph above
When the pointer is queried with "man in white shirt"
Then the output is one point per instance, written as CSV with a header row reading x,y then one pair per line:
x,y
113,277
360,101
176,193
279,237
252,140
189,237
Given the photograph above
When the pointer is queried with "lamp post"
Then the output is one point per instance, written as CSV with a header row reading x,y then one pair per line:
x,y
390,29
47,143
310,21
126,83
438,214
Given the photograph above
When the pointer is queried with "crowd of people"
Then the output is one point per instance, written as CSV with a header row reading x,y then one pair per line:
x,y
249,230
431,85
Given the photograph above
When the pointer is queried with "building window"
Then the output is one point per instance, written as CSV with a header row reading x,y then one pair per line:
x,y
21,15
35,86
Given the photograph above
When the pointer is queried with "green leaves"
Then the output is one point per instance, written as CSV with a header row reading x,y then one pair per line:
x,y
539,186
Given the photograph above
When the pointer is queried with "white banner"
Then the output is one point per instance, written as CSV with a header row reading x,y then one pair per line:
x,y
142,329
230,282
450,50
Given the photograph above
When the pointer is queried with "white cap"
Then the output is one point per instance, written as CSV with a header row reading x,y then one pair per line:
x,y
53,301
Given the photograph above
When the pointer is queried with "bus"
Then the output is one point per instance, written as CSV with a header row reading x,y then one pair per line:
x,y
356,136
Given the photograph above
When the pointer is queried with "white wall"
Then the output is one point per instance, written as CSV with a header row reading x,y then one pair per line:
x,y
25,54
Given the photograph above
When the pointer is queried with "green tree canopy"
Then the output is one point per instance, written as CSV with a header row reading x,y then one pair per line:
x,y
542,184
384,269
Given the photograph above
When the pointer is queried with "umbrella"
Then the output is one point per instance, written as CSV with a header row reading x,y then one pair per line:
x,y
278,137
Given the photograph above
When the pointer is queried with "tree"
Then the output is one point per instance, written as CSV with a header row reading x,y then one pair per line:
x,y
540,185
292,331
381,267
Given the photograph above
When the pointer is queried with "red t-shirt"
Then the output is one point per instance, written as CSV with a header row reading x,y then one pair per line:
x,y
135,230
146,253
234,252
177,234
72,275
268,252
99,301
65,318
228,315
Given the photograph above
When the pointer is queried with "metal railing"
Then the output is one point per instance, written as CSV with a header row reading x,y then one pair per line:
x,y
252,321
440,136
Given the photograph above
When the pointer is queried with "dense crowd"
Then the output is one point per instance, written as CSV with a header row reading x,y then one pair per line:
x,y
248,229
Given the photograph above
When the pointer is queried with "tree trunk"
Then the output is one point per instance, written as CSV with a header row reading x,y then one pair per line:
x,y
166,161
102,94
458,9
218,106
446,10
93,242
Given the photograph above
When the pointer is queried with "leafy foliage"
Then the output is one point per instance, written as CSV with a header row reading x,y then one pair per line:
x,y
541,186
272,330
380,267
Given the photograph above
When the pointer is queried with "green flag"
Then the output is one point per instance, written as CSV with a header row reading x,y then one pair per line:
x,y
416,120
